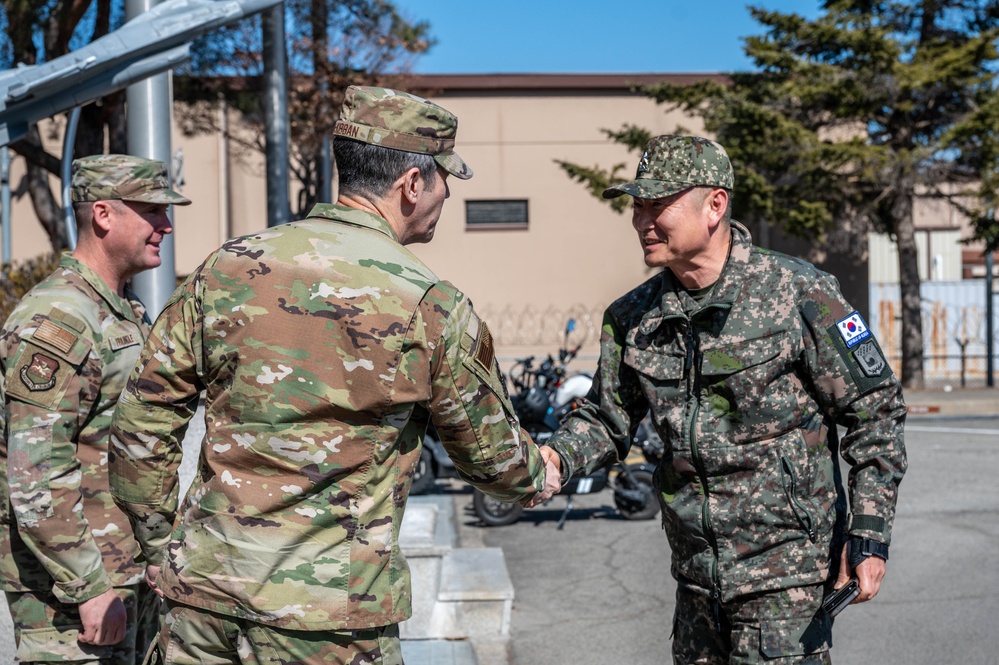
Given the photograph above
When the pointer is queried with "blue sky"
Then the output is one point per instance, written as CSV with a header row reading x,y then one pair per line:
x,y
587,36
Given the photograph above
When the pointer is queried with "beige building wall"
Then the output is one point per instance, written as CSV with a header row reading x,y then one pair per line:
x,y
575,257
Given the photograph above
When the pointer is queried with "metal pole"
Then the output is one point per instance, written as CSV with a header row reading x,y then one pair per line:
x,y
66,171
276,115
149,123
324,193
989,323
5,200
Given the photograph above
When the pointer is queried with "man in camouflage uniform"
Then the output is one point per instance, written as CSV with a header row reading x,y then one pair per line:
x,y
325,348
748,360
67,553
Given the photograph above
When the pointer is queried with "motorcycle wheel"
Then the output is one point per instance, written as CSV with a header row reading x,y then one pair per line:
x,y
649,508
423,477
493,512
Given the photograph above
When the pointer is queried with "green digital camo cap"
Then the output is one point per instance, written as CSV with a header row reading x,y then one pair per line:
x,y
122,177
401,121
672,164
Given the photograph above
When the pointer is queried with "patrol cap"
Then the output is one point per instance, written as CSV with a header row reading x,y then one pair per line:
x,y
123,177
672,164
401,121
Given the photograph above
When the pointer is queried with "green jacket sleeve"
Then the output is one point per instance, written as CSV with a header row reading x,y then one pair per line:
x,y
149,423
51,380
469,405
858,390
600,431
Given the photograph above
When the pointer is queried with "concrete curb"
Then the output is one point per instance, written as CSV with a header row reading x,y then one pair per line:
x,y
967,402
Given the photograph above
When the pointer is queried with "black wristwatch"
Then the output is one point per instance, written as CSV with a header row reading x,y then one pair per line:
x,y
862,548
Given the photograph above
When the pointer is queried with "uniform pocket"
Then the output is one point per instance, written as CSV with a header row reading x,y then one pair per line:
x,y
29,467
780,638
58,645
751,387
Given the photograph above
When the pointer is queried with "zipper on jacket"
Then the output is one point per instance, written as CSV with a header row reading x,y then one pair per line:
x,y
790,486
693,395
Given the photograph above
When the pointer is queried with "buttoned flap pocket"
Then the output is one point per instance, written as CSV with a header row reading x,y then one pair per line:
x,y
28,471
654,364
744,355
782,638
752,387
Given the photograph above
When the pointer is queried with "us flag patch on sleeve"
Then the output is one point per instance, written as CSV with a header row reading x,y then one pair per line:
x,y
483,353
853,330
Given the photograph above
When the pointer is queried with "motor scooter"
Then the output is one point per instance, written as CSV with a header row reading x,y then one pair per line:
x,y
535,390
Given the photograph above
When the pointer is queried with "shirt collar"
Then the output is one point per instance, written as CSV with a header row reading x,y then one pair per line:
x,y
354,217
121,306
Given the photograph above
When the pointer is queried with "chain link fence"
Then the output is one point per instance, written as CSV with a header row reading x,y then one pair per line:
x,y
955,344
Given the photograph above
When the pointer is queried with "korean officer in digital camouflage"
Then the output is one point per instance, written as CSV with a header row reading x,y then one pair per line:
x,y
67,553
748,360
325,348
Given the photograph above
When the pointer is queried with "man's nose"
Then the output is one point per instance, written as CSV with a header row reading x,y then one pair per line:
x,y
163,223
641,218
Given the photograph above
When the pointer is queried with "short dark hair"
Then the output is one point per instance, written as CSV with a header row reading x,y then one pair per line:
x,y
369,170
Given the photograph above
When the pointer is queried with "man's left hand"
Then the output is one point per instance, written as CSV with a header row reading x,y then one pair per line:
x,y
868,572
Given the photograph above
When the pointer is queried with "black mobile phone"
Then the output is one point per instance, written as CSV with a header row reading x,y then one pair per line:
x,y
837,601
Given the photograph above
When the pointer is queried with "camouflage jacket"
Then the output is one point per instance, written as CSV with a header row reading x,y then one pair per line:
x,y
325,348
66,352
746,389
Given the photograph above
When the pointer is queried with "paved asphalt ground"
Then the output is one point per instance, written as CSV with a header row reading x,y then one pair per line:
x,y
599,590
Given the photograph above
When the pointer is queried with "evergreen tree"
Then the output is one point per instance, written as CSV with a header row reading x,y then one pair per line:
x,y
851,116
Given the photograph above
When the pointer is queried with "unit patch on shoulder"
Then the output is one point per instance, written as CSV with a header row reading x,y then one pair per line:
x,y
56,335
853,330
869,357
40,373
483,350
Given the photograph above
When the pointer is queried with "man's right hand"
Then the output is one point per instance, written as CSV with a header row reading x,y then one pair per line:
x,y
103,619
553,477
152,572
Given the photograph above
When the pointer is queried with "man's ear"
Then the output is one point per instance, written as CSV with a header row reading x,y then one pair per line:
x,y
103,210
717,203
412,185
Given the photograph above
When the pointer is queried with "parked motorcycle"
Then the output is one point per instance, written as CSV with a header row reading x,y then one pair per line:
x,y
542,395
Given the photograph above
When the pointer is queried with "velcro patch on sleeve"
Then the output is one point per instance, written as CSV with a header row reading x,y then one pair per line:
x,y
872,362
55,335
484,353
865,360
42,376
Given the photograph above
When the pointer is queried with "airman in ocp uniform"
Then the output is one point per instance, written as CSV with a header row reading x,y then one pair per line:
x,y
68,557
325,348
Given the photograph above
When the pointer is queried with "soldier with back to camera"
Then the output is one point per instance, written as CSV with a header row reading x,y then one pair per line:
x,y
325,349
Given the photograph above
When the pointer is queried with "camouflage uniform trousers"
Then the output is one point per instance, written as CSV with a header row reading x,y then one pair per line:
x,y
45,630
777,627
194,636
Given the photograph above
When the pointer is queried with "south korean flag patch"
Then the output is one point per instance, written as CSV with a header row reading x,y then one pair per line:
x,y
853,330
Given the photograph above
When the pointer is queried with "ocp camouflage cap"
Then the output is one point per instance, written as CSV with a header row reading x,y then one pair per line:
x,y
401,121
122,177
672,164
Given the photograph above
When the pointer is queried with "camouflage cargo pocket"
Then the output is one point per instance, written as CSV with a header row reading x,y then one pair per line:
x,y
28,471
781,638
58,645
